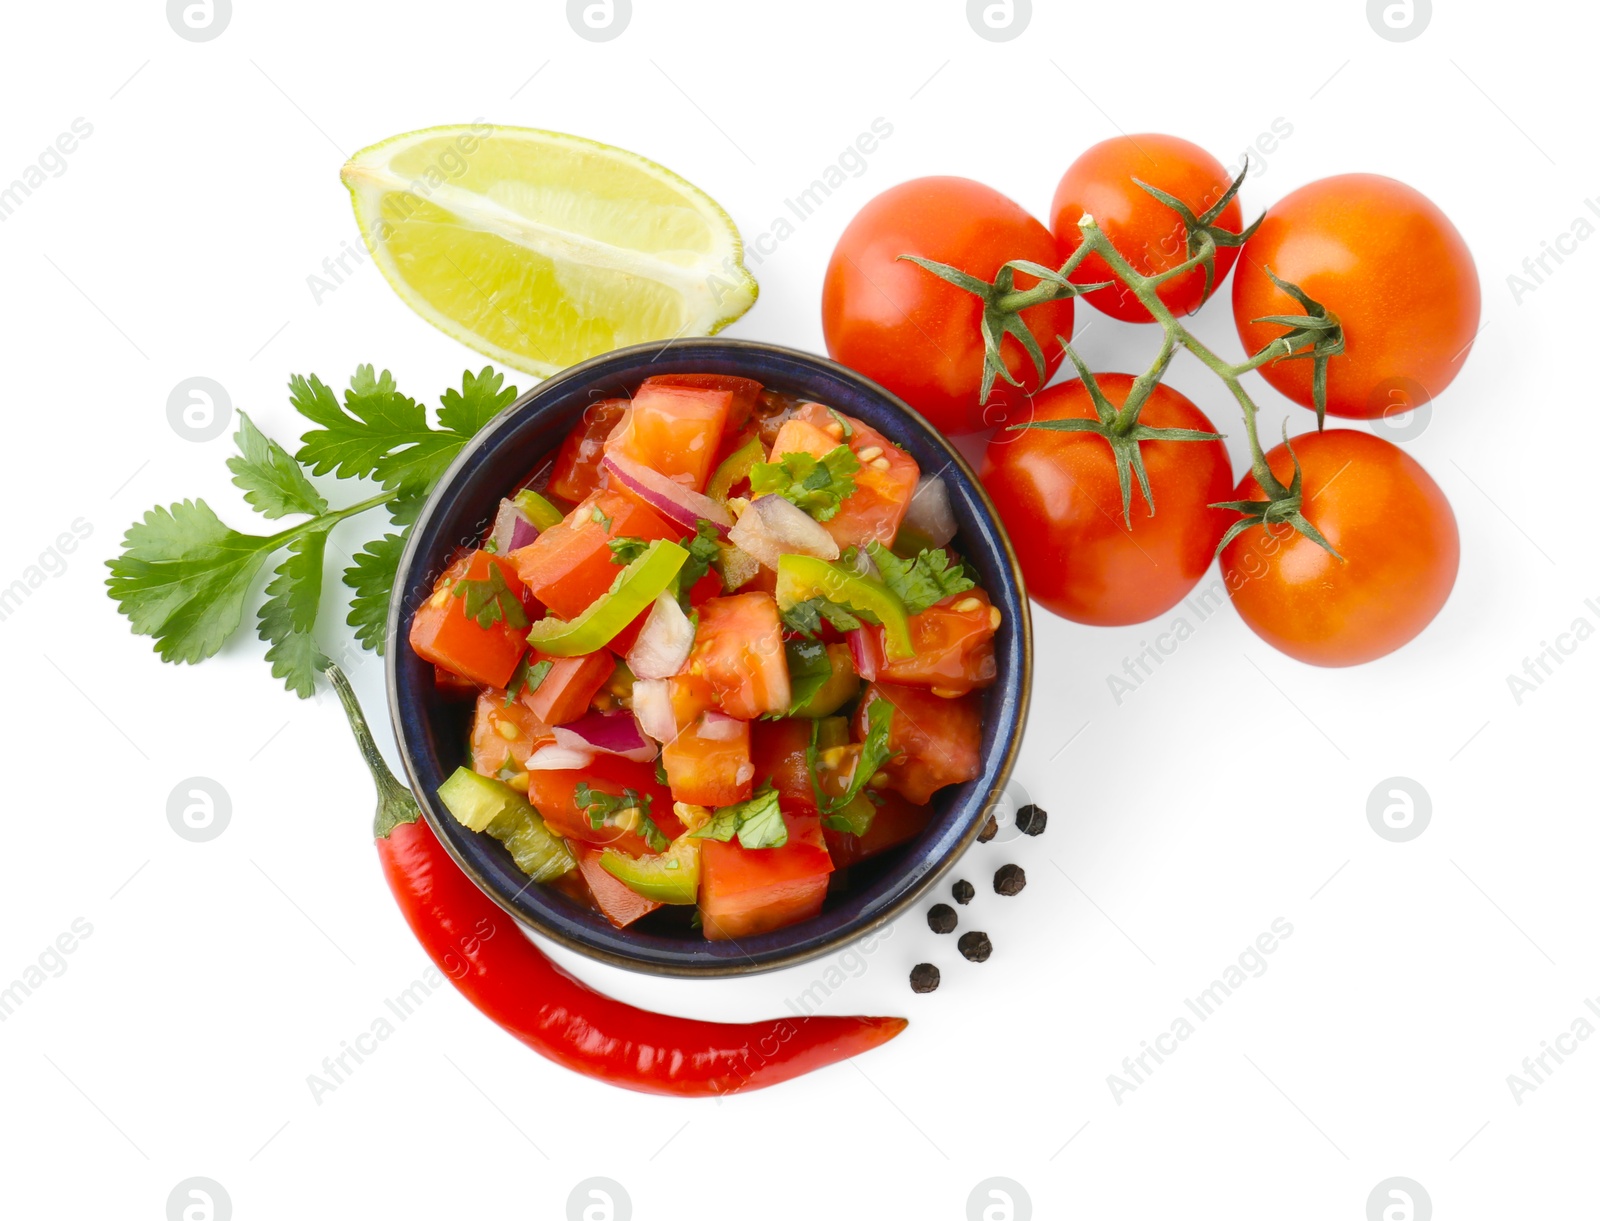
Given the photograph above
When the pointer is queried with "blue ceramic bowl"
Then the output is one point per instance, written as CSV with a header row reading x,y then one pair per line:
x,y
432,731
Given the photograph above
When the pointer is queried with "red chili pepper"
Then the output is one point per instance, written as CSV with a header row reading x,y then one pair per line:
x,y
512,982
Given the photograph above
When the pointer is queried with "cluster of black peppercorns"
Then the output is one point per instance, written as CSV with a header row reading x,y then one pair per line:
x,y
1008,880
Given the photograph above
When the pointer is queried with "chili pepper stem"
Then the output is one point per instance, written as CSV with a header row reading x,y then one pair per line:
x,y
396,804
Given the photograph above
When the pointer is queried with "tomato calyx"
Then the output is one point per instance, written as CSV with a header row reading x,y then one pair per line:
x,y
1202,234
1120,427
1003,303
1317,330
1282,506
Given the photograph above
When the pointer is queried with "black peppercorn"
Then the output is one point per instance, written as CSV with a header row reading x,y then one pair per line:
x,y
942,918
1031,820
963,892
1009,879
924,977
975,947
989,830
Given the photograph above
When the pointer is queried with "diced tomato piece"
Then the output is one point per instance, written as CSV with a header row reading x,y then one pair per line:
x,y
897,821
778,753
567,688
954,648
940,739
745,393
504,735
614,900
554,795
884,484
452,686
442,634
674,430
708,763
576,473
569,565
738,652
746,891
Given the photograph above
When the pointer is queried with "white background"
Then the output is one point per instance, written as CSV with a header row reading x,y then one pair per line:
x,y
1230,789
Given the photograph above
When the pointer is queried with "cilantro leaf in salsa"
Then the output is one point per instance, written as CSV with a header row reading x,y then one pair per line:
x,y
758,823
919,582
817,485
490,600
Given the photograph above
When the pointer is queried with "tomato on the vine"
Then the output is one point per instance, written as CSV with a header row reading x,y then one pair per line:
x,y
1060,498
1145,231
919,335
1397,544
1389,265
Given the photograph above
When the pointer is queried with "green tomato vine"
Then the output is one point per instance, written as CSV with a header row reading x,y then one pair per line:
x,y
1314,335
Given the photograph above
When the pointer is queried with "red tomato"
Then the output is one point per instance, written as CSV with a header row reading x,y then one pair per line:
x,y
452,686
746,393
778,753
939,739
576,473
1393,269
918,335
1058,494
675,430
884,484
1388,520
442,634
613,899
746,891
569,565
554,795
708,763
954,648
504,735
1150,235
897,821
568,686
738,653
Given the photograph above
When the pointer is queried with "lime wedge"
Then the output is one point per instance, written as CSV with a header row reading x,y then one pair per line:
x,y
541,249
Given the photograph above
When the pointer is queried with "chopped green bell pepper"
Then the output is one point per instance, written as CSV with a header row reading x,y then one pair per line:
x,y
734,467
802,577
671,877
481,803
636,587
539,510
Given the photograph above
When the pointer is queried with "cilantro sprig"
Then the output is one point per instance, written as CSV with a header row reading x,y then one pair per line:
x,y
817,485
807,617
919,582
490,601
184,577
758,823
630,811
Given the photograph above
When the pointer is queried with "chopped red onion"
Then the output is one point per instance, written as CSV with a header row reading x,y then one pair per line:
x,y
606,733
512,528
678,504
664,642
771,527
719,727
559,758
929,513
863,656
652,704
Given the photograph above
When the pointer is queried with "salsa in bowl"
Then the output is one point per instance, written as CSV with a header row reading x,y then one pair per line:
x,y
707,657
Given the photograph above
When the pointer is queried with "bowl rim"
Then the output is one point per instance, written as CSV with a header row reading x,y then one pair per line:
x,y
630,358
